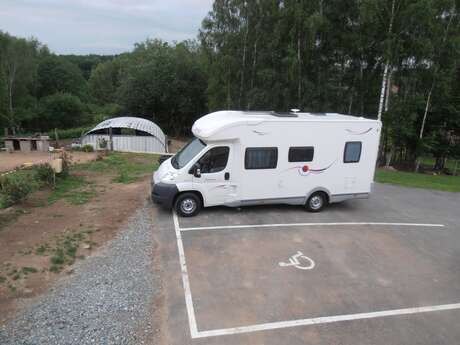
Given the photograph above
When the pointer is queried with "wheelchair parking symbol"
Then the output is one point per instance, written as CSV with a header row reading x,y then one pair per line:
x,y
300,261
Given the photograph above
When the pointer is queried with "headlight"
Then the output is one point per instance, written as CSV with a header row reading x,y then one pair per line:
x,y
170,176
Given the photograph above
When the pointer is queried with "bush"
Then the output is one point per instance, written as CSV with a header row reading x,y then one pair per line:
x,y
14,187
45,174
87,148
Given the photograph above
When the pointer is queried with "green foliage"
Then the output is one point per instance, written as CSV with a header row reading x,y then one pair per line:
x,y
165,84
26,270
57,75
105,80
87,148
62,110
45,174
70,133
15,187
274,55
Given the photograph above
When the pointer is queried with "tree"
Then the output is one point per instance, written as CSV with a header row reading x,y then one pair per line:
x,y
62,110
105,80
18,61
165,84
56,74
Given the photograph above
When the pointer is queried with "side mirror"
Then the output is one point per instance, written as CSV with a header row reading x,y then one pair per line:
x,y
195,170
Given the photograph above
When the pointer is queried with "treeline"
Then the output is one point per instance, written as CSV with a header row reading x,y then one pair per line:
x,y
399,58
394,58
40,91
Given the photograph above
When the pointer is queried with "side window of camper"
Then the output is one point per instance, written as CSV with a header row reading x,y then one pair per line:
x,y
214,160
301,154
261,158
352,152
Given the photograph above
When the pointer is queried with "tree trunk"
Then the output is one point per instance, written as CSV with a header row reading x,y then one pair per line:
x,y
243,67
382,91
388,86
422,128
387,64
299,82
253,72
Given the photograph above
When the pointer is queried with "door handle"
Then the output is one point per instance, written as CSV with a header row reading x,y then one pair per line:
x,y
227,176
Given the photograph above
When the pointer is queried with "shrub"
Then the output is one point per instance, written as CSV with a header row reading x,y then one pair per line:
x,y
70,133
45,174
14,187
87,148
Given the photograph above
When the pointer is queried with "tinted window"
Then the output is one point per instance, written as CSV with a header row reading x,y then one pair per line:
x,y
214,160
352,152
301,154
261,158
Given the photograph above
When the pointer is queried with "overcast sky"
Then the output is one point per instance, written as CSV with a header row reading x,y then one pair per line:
x,y
101,26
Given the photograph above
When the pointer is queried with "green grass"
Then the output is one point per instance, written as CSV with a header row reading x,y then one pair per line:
x,y
450,164
127,167
74,189
66,249
438,182
27,270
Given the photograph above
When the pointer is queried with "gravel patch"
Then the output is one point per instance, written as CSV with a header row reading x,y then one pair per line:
x,y
107,300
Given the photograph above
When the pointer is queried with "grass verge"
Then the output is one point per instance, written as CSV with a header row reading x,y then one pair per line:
x,y
438,182
127,167
75,189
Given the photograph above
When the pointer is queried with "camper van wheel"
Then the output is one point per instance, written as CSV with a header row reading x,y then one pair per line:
x,y
316,202
188,204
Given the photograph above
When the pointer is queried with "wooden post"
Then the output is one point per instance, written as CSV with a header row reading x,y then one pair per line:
x,y
56,137
111,139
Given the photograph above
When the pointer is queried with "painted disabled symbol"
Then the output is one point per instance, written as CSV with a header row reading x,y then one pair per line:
x,y
300,261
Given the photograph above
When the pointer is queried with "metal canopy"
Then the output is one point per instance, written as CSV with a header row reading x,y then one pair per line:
x,y
136,123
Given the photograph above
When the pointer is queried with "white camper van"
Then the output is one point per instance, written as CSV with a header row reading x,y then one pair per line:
x,y
242,158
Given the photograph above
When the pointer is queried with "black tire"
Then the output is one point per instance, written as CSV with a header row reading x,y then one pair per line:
x,y
188,204
316,202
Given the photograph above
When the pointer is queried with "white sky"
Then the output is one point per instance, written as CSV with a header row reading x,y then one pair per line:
x,y
102,26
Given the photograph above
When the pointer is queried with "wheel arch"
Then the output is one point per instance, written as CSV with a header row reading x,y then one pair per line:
x,y
196,192
319,189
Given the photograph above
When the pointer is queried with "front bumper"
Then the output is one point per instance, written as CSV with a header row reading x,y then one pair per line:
x,y
164,193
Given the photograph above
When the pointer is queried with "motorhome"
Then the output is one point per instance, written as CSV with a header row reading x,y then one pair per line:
x,y
239,158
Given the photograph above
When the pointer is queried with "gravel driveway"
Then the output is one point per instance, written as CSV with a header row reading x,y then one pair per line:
x,y
107,300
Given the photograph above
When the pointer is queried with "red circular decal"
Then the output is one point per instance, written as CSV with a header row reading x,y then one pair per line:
x,y
305,168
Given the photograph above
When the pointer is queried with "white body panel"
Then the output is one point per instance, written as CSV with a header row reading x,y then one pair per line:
x,y
288,182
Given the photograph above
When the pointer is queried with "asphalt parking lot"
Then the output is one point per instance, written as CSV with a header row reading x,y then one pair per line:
x,y
378,271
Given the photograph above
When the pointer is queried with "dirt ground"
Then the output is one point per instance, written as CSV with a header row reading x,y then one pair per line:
x,y
9,161
28,243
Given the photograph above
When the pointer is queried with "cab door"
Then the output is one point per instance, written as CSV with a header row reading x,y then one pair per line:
x,y
214,179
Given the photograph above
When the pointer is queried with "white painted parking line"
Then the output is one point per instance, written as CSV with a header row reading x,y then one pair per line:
x,y
248,226
194,333
185,280
326,319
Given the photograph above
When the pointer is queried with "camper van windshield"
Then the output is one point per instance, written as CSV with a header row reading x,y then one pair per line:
x,y
186,154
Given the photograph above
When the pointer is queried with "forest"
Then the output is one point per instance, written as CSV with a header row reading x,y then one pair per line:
x,y
397,60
